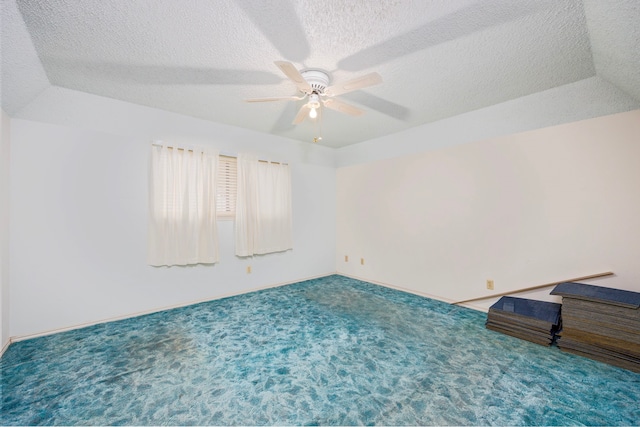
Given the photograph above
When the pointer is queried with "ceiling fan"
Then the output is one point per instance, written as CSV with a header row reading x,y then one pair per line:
x,y
314,85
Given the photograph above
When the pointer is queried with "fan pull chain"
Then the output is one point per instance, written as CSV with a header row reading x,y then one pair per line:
x,y
318,138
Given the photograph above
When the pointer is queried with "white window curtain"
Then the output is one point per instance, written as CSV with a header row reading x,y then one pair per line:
x,y
263,210
182,206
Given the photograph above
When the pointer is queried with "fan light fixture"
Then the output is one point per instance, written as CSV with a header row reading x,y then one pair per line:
x,y
313,104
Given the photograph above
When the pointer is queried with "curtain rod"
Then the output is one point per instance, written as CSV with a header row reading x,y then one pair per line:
x,y
221,155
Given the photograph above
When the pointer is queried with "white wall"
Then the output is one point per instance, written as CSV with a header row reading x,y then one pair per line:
x,y
523,209
4,229
79,213
502,208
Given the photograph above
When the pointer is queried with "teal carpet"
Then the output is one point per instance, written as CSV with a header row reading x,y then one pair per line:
x,y
330,351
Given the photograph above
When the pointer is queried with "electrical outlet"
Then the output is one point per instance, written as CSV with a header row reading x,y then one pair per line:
x,y
490,284
248,269
346,258
361,261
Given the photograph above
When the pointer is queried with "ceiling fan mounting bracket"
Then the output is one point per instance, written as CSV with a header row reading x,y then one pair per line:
x,y
317,79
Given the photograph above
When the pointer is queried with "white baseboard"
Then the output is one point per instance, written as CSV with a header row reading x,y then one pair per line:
x,y
414,292
5,346
155,310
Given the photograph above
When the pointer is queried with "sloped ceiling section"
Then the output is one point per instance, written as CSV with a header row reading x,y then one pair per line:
x,y
437,59
23,77
615,42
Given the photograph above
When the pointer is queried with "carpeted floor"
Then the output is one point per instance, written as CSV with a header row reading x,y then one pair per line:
x,y
330,351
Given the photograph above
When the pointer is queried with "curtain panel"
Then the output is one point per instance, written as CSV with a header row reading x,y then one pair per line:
x,y
263,210
182,206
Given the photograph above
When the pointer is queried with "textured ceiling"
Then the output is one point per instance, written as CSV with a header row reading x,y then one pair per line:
x,y
437,58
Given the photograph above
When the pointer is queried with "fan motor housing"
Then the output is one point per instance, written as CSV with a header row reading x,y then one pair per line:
x,y
317,79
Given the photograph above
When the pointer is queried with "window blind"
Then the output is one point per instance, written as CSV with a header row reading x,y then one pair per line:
x,y
227,184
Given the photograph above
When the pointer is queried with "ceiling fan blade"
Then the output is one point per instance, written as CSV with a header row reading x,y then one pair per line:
x,y
302,113
355,84
292,72
280,98
343,107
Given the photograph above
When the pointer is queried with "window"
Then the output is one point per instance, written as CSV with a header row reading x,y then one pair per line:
x,y
190,189
227,187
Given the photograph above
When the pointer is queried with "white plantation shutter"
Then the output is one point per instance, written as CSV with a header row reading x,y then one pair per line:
x,y
227,187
